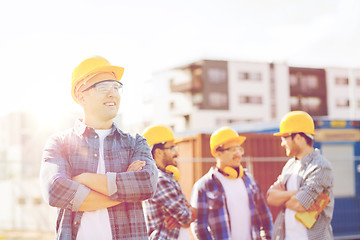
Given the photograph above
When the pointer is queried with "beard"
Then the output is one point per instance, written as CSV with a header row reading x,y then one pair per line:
x,y
293,150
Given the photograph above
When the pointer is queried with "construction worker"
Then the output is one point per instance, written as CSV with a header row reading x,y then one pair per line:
x,y
303,179
168,213
229,202
96,174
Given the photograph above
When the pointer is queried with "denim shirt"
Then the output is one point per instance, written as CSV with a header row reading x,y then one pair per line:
x,y
76,151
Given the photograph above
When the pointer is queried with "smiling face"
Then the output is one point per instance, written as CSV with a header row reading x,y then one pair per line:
x,y
166,155
290,144
100,108
230,156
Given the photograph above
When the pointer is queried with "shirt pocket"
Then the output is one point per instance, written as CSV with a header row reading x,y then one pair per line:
x,y
118,161
215,205
215,200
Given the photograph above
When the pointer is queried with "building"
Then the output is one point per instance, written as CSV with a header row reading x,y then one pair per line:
x,y
210,93
22,139
343,87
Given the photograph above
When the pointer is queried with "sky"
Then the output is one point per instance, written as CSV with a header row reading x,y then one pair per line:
x,y
42,41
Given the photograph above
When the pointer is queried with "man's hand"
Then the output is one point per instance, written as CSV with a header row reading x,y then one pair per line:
x,y
279,185
98,182
136,166
294,204
171,222
278,195
193,214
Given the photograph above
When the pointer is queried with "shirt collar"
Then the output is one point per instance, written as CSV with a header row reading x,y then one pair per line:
x,y
310,156
81,128
161,172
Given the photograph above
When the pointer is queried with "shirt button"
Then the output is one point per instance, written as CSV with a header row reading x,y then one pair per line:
x,y
75,223
95,155
96,136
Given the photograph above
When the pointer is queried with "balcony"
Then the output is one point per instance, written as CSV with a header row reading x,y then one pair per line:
x,y
193,86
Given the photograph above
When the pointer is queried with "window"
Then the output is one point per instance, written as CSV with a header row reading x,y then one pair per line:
x,y
305,82
309,83
311,104
293,80
341,81
250,99
216,75
243,75
249,76
255,76
342,103
294,103
218,100
307,104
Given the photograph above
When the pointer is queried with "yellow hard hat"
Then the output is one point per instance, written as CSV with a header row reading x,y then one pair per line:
x,y
222,136
89,67
296,122
158,134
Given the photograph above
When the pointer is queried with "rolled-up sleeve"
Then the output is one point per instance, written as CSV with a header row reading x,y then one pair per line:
x,y
319,179
55,178
136,185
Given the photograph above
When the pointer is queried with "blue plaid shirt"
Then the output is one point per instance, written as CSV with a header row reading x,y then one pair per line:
x,y
76,151
168,200
213,220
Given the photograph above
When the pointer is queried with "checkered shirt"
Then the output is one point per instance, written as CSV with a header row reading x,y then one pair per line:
x,y
213,220
168,200
316,176
76,151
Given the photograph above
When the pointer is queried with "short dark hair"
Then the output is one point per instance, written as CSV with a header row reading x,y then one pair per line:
x,y
158,145
309,141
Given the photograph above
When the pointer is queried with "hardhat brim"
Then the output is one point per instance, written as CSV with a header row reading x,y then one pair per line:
x,y
178,140
118,71
278,134
239,139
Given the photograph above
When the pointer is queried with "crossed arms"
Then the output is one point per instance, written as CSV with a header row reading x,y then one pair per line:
x,y
98,197
91,191
318,179
279,196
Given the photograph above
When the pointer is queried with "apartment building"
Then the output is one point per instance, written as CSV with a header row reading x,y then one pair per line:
x,y
209,93
343,98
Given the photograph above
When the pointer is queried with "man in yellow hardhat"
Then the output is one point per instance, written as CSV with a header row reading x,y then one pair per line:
x,y
305,177
96,174
168,213
229,202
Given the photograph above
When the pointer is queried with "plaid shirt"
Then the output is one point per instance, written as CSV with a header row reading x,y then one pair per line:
x,y
316,176
77,151
213,220
168,200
